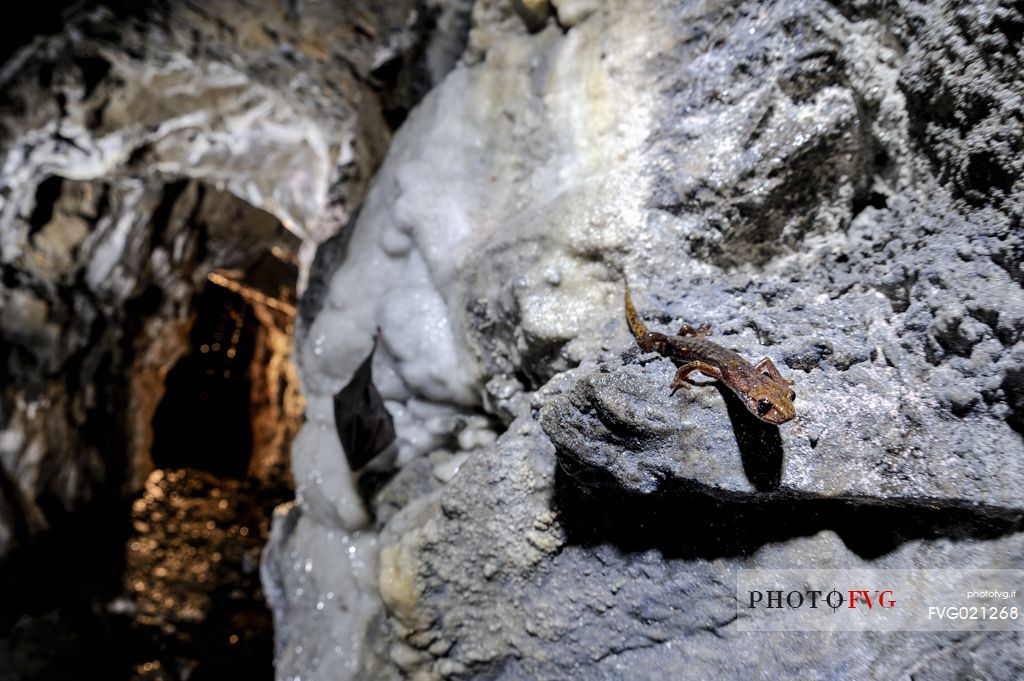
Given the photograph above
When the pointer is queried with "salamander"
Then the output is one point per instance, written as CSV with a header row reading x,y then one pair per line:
x,y
760,387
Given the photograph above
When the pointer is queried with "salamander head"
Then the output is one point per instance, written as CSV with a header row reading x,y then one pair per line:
x,y
770,400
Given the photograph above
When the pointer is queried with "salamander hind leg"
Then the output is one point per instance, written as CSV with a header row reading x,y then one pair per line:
x,y
682,378
766,366
699,331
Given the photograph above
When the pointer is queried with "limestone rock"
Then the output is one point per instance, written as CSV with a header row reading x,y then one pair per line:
x,y
572,12
516,572
817,183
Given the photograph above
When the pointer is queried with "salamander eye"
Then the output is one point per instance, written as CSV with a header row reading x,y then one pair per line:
x,y
792,395
763,407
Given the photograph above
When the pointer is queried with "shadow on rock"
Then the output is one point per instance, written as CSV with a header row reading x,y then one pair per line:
x,y
760,444
689,521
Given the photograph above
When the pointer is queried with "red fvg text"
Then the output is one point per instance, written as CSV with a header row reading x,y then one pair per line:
x,y
834,599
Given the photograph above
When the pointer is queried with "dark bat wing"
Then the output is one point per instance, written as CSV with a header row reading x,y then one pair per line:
x,y
364,425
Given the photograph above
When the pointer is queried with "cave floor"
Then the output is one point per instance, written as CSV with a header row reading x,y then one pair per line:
x,y
163,586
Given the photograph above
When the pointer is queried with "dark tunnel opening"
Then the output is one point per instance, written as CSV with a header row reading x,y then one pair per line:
x,y
204,420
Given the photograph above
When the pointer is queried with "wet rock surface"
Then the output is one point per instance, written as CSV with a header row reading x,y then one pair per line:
x,y
863,433
517,573
823,184
192,583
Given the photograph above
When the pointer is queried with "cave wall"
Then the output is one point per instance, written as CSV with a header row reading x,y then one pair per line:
x,y
836,186
276,399
142,147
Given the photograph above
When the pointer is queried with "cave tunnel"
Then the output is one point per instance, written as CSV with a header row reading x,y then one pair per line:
x,y
167,583
148,292
204,420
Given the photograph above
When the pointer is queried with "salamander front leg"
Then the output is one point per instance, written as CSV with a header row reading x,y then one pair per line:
x,y
699,331
682,377
768,367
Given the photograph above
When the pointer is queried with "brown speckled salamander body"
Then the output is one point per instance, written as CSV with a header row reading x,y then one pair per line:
x,y
760,387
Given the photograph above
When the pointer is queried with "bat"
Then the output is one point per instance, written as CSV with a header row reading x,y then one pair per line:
x,y
364,425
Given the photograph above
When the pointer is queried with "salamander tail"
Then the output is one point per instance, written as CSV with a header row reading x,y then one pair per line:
x,y
635,325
